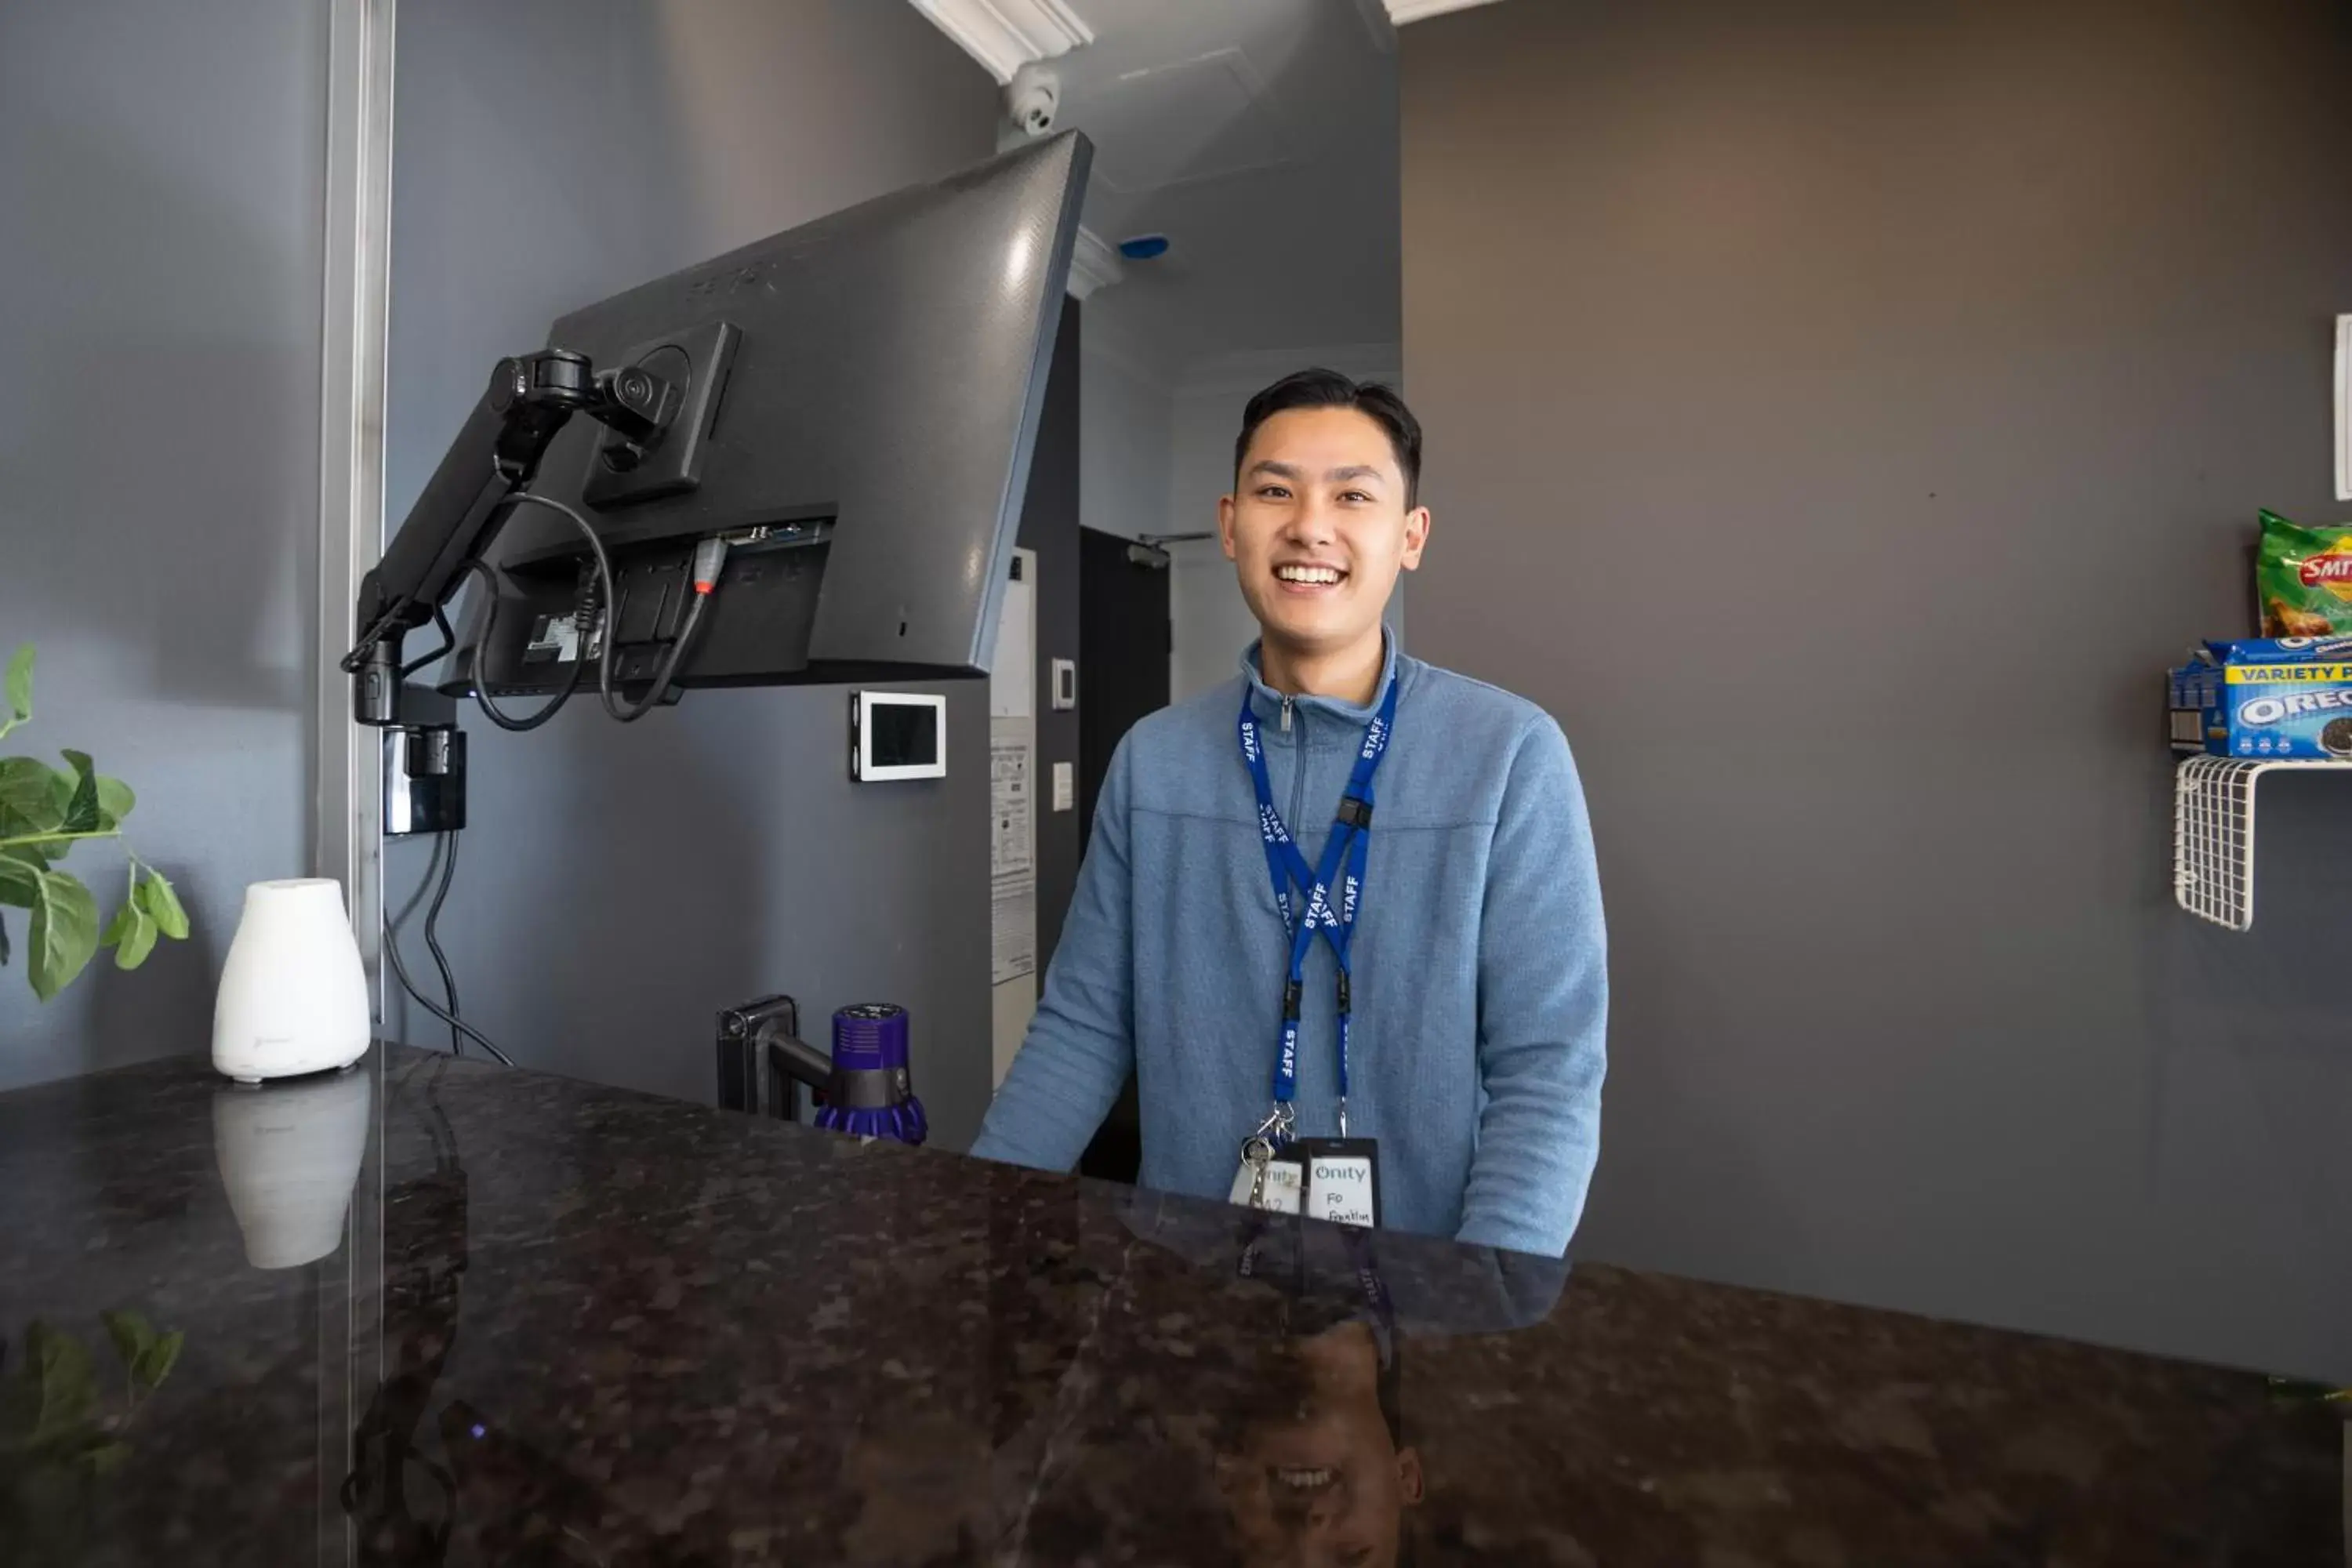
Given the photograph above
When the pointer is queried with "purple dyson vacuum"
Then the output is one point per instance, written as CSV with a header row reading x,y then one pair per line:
x,y
866,1087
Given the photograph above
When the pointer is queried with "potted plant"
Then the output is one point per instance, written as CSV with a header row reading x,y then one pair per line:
x,y
45,812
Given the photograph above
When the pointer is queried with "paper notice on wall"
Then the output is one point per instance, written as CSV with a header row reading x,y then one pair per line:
x,y
1011,849
1014,952
1012,840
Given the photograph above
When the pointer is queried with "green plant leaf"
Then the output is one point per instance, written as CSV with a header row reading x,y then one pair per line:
x,y
20,689
115,800
60,1369
130,1332
81,806
20,884
119,927
37,855
164,905
64,935
33,798
138,942
156,1362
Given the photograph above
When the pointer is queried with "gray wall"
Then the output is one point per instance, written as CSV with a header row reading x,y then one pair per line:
x,y
1839,415
162,173
619,885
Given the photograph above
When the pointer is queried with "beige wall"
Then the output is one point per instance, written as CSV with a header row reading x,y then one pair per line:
x,y
1840,414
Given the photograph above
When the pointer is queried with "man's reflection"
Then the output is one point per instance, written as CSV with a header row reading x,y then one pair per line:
x,y
1297,1375
1320,1473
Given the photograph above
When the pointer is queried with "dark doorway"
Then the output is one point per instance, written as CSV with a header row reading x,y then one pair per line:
x,y
1124,637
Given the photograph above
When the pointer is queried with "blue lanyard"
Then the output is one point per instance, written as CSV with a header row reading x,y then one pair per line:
x,y
1351,833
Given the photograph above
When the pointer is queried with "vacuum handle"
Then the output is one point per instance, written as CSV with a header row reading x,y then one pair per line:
x,y
761,1055
794,1057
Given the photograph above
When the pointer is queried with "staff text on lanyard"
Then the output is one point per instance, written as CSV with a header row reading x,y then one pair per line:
x,y
1333,917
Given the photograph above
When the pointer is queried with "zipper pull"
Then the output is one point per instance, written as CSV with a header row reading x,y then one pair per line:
x,y
1285,715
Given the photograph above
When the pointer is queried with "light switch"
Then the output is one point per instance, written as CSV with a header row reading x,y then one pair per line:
x,y
1066,684
1066,787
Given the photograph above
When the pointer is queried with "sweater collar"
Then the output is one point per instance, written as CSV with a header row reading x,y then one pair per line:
x,y
1267,702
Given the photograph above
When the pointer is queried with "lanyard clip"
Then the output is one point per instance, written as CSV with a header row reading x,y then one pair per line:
x,y
1277,1126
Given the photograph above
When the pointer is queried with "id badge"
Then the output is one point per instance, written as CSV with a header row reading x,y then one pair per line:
x,y
1343,1179
1268,1179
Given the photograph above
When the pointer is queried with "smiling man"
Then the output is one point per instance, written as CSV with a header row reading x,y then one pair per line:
x,y
1322,1473
1411,1004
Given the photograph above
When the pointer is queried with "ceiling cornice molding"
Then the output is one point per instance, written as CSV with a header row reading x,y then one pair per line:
x,y
1404,11
1094,264
1006,35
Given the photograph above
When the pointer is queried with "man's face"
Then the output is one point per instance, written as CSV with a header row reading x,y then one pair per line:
x,y
1325,1487
1317,528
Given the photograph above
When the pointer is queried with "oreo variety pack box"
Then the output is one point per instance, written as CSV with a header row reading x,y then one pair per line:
x,y
2270,696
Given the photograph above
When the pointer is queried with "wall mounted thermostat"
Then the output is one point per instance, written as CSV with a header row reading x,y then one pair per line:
x,y
1066,684
898,735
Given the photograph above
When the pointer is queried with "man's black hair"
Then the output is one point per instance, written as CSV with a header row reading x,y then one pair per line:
x,y
1320,389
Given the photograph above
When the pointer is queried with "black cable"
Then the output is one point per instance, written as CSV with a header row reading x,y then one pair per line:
x,y
425,885
432,870
620,708
432,940
352,661
490,710
449,641
612,599
392,951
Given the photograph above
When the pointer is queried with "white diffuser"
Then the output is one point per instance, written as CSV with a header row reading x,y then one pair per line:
x,y
288,1155
293,995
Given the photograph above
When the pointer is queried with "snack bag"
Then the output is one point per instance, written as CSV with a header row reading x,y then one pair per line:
x,y
2303,579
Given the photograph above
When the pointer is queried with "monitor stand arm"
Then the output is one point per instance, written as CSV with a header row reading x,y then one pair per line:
x,y
530,399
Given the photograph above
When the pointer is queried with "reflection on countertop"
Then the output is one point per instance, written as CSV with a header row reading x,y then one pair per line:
x,y
437,1312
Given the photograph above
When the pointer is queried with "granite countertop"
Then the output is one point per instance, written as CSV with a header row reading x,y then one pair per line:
x,y
436,1311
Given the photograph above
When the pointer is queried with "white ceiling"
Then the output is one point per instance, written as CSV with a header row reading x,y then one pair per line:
x,y
1260,136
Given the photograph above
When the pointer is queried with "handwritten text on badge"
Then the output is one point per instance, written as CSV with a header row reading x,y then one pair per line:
x,y
1341,1190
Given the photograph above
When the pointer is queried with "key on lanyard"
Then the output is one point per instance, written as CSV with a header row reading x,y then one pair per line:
x,y
1260,1154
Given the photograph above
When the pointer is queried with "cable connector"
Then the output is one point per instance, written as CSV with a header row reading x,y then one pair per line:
x,y
709,556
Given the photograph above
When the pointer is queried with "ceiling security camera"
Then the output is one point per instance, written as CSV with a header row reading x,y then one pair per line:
x,y
1033,101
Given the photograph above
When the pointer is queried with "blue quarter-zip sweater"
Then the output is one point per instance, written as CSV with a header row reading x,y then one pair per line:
x,y
1480,979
